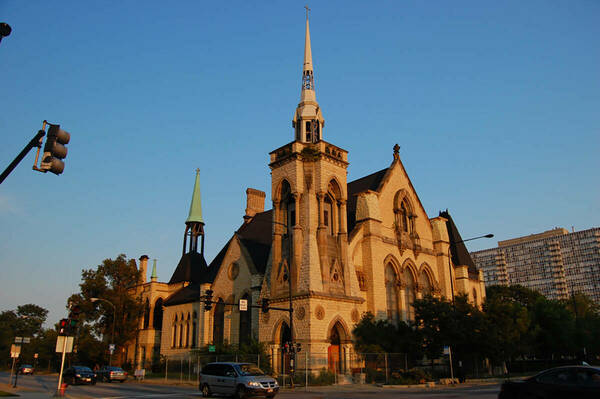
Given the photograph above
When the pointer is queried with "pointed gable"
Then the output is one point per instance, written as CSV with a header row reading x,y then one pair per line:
x,y
458,250
370,182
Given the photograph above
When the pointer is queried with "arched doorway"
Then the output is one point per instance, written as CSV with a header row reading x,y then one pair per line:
x,y
219,322
335,361
285,336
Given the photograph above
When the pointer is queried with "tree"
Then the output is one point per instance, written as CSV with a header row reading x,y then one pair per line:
x,y
112,281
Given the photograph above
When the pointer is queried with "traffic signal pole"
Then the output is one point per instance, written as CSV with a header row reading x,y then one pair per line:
x,y
35,142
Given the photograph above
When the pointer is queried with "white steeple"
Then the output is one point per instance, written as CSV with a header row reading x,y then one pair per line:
x,y
308,121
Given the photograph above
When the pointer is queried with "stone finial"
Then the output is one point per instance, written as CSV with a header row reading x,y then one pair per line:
x,y
396,151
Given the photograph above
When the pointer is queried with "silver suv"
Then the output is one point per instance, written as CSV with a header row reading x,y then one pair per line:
x,y
239,379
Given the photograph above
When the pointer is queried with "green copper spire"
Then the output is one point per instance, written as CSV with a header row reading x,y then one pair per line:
x,y
196,205
153,277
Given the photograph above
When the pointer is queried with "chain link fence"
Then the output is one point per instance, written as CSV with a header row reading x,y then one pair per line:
x,y
313,369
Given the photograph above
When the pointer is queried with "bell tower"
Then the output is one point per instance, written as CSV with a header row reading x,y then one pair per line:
x,y
309,192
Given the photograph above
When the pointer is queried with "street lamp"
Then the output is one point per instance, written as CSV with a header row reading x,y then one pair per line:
x,y
112,338
452,288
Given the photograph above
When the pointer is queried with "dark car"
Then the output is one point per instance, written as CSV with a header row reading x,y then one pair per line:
x,y
79,375
239,379
561,382
26,369
110,374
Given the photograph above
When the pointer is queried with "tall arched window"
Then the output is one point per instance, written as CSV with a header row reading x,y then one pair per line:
x,y
194,327
146,314
180,336
409,293
328,215
158,314
425,283
174,333
187,332
219,322
245,323
391,293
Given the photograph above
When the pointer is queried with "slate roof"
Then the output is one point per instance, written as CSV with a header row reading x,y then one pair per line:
x,y
458,250
370,182
188,294
191,268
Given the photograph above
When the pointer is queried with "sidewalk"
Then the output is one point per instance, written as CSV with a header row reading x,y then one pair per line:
x,y
25,393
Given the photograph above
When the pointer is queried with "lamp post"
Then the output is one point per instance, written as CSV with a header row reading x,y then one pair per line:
x,y
452,288
112,338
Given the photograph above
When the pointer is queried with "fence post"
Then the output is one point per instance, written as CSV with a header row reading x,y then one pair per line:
x,y
386,369
166,367
306,370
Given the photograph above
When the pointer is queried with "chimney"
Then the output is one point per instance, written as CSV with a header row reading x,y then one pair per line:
x,y
255,203
143,268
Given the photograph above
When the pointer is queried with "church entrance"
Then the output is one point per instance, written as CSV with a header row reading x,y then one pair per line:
x,y
285,337
334,352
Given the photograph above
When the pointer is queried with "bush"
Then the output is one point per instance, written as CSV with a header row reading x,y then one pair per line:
x,y
325,377
409,377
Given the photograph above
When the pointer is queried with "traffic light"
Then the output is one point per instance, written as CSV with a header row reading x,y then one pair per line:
x,y
208,300
73,319
286,348
55,150
63,326
264,306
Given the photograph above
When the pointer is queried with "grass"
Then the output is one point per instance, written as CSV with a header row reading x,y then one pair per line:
x,y
2,393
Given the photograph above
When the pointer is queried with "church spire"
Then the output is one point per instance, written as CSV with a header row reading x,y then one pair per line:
x,y
308,121
194,225
196,204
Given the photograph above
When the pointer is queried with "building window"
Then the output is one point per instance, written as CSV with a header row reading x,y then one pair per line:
x,y
409,294
391,282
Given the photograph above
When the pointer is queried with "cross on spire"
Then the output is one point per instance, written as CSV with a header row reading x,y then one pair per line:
x,y
307,10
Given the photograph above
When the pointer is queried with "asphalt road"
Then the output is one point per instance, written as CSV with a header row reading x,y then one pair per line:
x,y
42,386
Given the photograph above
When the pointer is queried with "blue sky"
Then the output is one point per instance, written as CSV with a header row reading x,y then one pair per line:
x,y
495,105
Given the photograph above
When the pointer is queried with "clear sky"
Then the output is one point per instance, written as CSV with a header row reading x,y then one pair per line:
x,y
496,106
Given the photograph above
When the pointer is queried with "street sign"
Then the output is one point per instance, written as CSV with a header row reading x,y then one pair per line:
x,y
211,348
111,347
18,340
446,350
243,305
26,340
15,350
61,343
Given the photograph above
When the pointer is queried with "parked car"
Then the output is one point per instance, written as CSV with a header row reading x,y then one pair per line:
x,y
26,369
110,374
239,379
79,375
561,382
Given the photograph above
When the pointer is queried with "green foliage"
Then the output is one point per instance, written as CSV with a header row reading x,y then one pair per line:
x,y
111,281
410,377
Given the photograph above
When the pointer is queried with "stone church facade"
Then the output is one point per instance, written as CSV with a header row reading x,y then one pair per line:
x,y
339,249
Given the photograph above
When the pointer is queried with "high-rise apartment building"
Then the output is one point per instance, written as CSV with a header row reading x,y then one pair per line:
x,y
555,263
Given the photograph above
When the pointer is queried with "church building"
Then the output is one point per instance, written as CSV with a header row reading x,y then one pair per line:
x,y
333,249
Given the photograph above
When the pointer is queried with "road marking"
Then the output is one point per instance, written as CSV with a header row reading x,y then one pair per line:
x,y
155,395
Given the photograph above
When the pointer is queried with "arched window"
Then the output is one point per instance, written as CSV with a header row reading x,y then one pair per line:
x,y
219,322
409,293
403,212
187,334
146,314
245,323
174,333
391,293
194,327
328,215
158,314
425,283
180,336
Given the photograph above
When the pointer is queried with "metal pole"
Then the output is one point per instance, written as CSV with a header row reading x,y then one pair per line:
x,y
112,338
166,367
62,365
451,368
35,142
306,370
386,369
